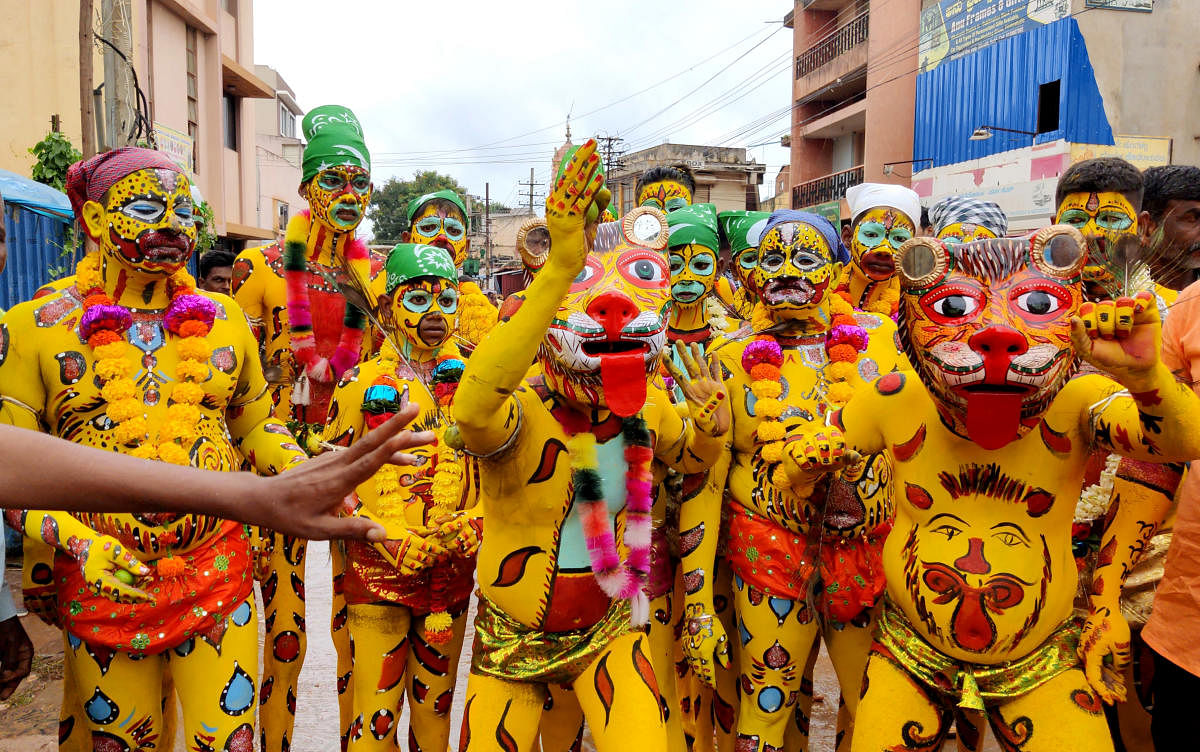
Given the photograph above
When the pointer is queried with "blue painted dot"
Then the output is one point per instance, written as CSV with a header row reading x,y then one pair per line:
x,y
744,633
770,699
238,695
100,709
241,615
781,607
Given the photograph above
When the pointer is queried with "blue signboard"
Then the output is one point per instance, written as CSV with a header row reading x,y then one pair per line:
x,y
953,28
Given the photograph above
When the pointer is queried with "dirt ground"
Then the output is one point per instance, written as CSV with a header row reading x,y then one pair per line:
x,y
30,718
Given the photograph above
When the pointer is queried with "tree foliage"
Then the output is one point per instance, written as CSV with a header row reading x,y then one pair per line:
x,y
389,204
54,155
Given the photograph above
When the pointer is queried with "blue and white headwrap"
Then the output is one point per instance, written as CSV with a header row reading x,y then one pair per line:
x,y
817,222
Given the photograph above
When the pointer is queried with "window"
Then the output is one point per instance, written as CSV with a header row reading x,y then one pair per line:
x,y
230,122
287,122
230,6
193,95
1048,106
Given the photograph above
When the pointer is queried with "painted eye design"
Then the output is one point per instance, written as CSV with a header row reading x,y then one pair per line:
x,y
587,276
417,301
748,260
771,261
645,270
675,203
1075,217
1042,301
145,210
1009,539
428,226
676,263
898,237
806,262
955,306
1113,220
448,301
185,213
947,530
361,183
702,264
331,181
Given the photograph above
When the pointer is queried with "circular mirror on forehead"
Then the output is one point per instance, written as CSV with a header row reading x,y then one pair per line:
x,y
921,261
646,226
1058,250
533,243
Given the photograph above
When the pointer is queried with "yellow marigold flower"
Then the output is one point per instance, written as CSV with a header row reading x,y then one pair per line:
x,y
767,389
194,348
122,411
840,394
770,431
113,368
188,370
768,409
840,371
187,392
772,452
145,452
129,430
114,350
118,389
173,453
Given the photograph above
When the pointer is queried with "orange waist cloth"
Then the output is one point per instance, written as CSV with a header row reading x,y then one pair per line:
x,y
195,596
370,578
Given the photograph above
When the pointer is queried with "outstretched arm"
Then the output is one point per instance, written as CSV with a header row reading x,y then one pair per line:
x,y
483,407
705,644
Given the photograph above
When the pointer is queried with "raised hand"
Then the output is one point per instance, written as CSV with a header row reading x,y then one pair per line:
x,y
702,387
108,569
705,644
1121,337
1105,637
567,209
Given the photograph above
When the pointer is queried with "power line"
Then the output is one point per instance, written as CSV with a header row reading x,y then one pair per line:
x,y
530,185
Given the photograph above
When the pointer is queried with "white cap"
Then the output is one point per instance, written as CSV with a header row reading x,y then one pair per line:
x,y
865,196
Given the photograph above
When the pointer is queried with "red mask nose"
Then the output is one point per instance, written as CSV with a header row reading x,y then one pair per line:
x,y
612,310
997,345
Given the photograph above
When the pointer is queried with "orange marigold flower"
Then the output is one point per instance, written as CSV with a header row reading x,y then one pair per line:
x,y
764,372
843,353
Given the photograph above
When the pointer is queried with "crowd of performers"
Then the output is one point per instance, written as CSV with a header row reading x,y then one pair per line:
x,y
696,447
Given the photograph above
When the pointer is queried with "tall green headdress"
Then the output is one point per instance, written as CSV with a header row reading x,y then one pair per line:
x,y
742,229
334,138
696,224
411,260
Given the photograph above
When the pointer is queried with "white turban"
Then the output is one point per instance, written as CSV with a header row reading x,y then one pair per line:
x,y
865,196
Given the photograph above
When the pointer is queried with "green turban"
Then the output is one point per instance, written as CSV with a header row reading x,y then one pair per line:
x,y
446,195
334,139
742,229
694,224
411,260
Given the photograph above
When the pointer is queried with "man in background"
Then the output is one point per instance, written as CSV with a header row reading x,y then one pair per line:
x,y
216,271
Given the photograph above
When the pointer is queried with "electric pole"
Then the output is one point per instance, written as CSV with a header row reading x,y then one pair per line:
x,y
487,233
530,185
611,151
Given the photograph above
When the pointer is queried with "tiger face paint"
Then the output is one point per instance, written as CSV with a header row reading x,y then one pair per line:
x,y
425,310
338,197
1102,218
606,339
146,223
875,238
435,224
987,325
665,195
964,232
693,273
794,272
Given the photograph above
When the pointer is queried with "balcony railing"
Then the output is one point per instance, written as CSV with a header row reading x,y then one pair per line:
x,y
832,45
829,188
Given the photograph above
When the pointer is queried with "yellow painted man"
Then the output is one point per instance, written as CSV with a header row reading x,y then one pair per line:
x,y
133,359
988,443
884,216
408,597
565,462
309,336
810,350
741,231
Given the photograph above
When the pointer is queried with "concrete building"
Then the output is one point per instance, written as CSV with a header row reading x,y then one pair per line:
x,y
1009,97
852,96
725,176
279,151
782,196
181,69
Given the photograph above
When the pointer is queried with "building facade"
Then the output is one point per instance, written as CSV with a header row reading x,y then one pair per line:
x,y
853,84
278,153
174,72
724,176
1009,97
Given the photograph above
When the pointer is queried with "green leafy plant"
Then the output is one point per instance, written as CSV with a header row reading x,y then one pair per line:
x,y
54,155
205,237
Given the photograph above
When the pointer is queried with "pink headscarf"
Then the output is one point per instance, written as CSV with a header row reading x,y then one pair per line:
x,y
89,179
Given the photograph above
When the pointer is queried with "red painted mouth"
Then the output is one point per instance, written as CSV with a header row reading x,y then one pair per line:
x,y
878,264
164,247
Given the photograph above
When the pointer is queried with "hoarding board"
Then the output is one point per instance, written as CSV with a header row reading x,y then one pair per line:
x,y
953,28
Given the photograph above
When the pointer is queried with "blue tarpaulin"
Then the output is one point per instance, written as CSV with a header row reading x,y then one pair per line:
x,y
35,196
36,217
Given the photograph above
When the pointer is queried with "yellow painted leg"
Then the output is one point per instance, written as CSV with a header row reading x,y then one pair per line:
x,y
896,712
712,720
340,632
432,671
775,639
561,729
1062,715
122,704
663,645
798,729
216,688
500,716
381,647
284,642
620,697
849,648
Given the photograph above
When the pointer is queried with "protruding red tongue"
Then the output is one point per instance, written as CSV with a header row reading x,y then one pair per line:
x,y
993,418
623,376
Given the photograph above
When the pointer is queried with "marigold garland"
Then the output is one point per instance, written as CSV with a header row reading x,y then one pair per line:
x,y
476,314
103,324
888,303
762,360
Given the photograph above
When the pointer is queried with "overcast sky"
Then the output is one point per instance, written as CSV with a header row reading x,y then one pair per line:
x,y
433,86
